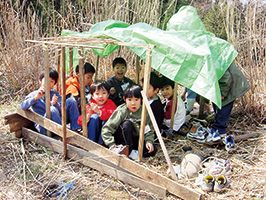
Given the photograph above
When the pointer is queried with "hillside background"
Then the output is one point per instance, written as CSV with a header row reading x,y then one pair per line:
x,y
242,24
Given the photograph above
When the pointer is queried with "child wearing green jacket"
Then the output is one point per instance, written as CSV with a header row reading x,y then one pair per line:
x,y
123,125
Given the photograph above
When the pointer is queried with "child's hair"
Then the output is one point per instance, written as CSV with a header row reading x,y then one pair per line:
x,y
99,85
166,81
133,91
88,68
119,60
155,81
52,74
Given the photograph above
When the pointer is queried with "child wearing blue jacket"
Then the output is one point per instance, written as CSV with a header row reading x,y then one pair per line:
x,y
35,101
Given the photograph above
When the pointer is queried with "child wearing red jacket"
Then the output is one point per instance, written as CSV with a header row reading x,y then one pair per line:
x,y
98,111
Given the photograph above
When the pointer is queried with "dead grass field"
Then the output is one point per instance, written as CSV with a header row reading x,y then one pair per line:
x,y
30,171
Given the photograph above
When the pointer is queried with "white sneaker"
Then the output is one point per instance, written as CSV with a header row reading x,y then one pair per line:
x,y
134,154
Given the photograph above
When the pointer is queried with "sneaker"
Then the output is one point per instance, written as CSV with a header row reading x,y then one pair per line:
x,y
133,155
216,166
208,183
220,184
200,134
120,149
215,135
229,143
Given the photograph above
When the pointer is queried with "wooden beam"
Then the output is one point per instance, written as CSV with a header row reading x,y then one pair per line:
x,y
157,131
118,160
82,96
143,112
70,61
47,88
63,105
94,162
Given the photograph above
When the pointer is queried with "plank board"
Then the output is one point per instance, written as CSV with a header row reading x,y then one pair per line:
x,y
120,161
92,161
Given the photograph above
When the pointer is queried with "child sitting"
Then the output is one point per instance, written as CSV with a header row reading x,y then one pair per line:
x,y
36,102
118,83
73,84
123,126
154,100
180,111
98,111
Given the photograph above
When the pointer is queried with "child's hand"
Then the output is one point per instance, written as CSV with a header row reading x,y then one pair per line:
x,y
88,113
40,93
149,146
95,108
112,90
54,99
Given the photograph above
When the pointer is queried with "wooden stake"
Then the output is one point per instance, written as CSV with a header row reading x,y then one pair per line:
x,y
82,96
63,106
47,88
137,69
157,131
143,113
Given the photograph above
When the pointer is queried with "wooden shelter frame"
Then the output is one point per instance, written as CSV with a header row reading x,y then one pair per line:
x,y
70,136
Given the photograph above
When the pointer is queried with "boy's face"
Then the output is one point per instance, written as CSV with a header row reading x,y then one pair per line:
x,y
100,96
120,71
133,103
51,83
151,92
167,91
88,78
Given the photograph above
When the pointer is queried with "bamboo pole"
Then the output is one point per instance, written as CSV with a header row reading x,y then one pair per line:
x,y
58,67
82,96
143,113
157,131
63,106
47,88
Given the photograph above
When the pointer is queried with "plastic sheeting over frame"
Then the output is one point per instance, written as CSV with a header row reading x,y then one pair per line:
x,y
186,53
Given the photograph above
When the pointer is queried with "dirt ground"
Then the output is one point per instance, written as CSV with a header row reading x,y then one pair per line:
x,y
30,171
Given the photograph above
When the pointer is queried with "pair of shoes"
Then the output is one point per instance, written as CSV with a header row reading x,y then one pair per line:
x,y
200,134
218,184
120,149
229,143
215,166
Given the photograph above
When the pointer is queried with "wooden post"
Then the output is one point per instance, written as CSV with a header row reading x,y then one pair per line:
x,y
201,108
58,67
82,96
63,106
70,61
143,113
47,88
157,131
96,68
137,69
173,107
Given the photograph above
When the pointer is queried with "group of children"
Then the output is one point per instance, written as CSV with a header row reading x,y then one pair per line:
x,y
113,110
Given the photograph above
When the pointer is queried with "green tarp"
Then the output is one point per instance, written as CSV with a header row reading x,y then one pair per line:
x,y
185,52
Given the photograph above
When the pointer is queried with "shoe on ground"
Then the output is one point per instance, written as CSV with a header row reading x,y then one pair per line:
x,y
133,154
120,149
220,184
207,183
200,134
229,143
215,135
215,166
